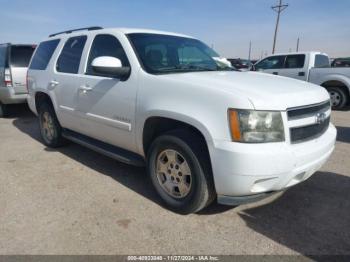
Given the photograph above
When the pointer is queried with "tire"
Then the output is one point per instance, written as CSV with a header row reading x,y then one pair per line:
x,y
3,110
199,191
50,129
339,98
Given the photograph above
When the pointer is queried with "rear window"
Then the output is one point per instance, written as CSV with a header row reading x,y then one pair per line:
x,y
43,54
21,55
69,60
322,61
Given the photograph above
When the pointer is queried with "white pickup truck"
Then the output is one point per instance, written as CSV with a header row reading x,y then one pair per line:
x,y
159,99
313,67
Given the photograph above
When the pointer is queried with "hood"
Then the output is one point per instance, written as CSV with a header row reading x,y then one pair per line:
x,y
264,91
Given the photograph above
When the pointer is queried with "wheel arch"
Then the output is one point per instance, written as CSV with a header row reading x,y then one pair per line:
x,y
337,83
154,126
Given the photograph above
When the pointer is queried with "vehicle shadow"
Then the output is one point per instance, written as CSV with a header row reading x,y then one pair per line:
x,y
132,177
312,218
135,178
343,134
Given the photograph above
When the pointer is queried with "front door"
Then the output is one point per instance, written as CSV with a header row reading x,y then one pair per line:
x,y
108,104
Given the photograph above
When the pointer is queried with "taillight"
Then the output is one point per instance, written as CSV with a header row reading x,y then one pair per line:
x,y
8,80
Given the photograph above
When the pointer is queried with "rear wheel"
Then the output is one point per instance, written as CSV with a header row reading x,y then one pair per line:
x,y
50,129
339,98
3,110
180,171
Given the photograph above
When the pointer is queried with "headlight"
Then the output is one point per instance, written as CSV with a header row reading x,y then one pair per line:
x,y
251,126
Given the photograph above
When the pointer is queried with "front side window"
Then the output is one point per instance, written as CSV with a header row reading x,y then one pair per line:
x,y
322,61
69,59
106,45
162,54
295,61
20,55
43,54
273,62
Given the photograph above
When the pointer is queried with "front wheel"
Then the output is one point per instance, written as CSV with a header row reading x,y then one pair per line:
x,y
338,96
180,171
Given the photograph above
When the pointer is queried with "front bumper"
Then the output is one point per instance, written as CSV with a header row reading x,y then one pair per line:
x,y
8,96
245,171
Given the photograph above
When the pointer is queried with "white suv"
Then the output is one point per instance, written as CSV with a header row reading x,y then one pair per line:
x,y
159,99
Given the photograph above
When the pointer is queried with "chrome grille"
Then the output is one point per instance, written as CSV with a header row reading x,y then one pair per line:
x,y
308,122
305,111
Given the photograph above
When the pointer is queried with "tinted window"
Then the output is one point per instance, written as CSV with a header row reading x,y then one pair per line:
x,y
3,52
322,61
106,45
43,54
3,58
273,62
21,55
295,61
69,59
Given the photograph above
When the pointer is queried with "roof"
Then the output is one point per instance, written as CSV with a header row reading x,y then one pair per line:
x,y
120,30
300,53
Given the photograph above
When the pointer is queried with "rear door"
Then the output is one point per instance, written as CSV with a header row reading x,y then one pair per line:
x,y
19,60
295,67
66,80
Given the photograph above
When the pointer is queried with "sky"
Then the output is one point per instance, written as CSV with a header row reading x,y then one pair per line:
x,y
227,25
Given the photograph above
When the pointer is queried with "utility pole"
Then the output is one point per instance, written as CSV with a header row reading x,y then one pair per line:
x,y
250,50
298,44
279,9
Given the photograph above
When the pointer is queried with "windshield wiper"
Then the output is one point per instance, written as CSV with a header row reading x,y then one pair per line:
x,y
194,67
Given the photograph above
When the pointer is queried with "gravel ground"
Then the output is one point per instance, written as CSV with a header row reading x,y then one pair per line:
x,y
75,201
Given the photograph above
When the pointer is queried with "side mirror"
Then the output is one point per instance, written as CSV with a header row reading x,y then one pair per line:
x,y
110,66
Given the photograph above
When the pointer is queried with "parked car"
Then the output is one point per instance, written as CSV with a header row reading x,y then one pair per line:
x,y
14,60
158,99
341,62
313,67
240,64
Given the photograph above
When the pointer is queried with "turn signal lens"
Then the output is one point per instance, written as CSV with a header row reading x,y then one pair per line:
x,y
234,124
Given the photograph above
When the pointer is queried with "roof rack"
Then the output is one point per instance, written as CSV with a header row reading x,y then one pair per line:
x,y
79,29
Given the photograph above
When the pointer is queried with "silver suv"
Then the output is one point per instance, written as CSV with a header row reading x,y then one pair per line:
x,y
14,61
204,130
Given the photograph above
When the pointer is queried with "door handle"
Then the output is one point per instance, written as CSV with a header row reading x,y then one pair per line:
x,y
301,74
53,83
85,88
275,73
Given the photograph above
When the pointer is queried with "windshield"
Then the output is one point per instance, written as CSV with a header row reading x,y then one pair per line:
x,y
161,54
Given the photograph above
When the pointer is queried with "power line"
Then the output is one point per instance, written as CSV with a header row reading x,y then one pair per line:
x,y
279,9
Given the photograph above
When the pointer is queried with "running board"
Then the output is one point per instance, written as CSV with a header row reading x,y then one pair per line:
x,y
109,150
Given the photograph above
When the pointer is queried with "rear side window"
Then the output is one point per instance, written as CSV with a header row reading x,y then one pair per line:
x,y
273,62
322,61
3,52
69,59
43,54
20,55
295,61
106,45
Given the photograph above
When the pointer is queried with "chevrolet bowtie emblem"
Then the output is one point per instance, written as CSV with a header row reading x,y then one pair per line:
x,y
320,118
